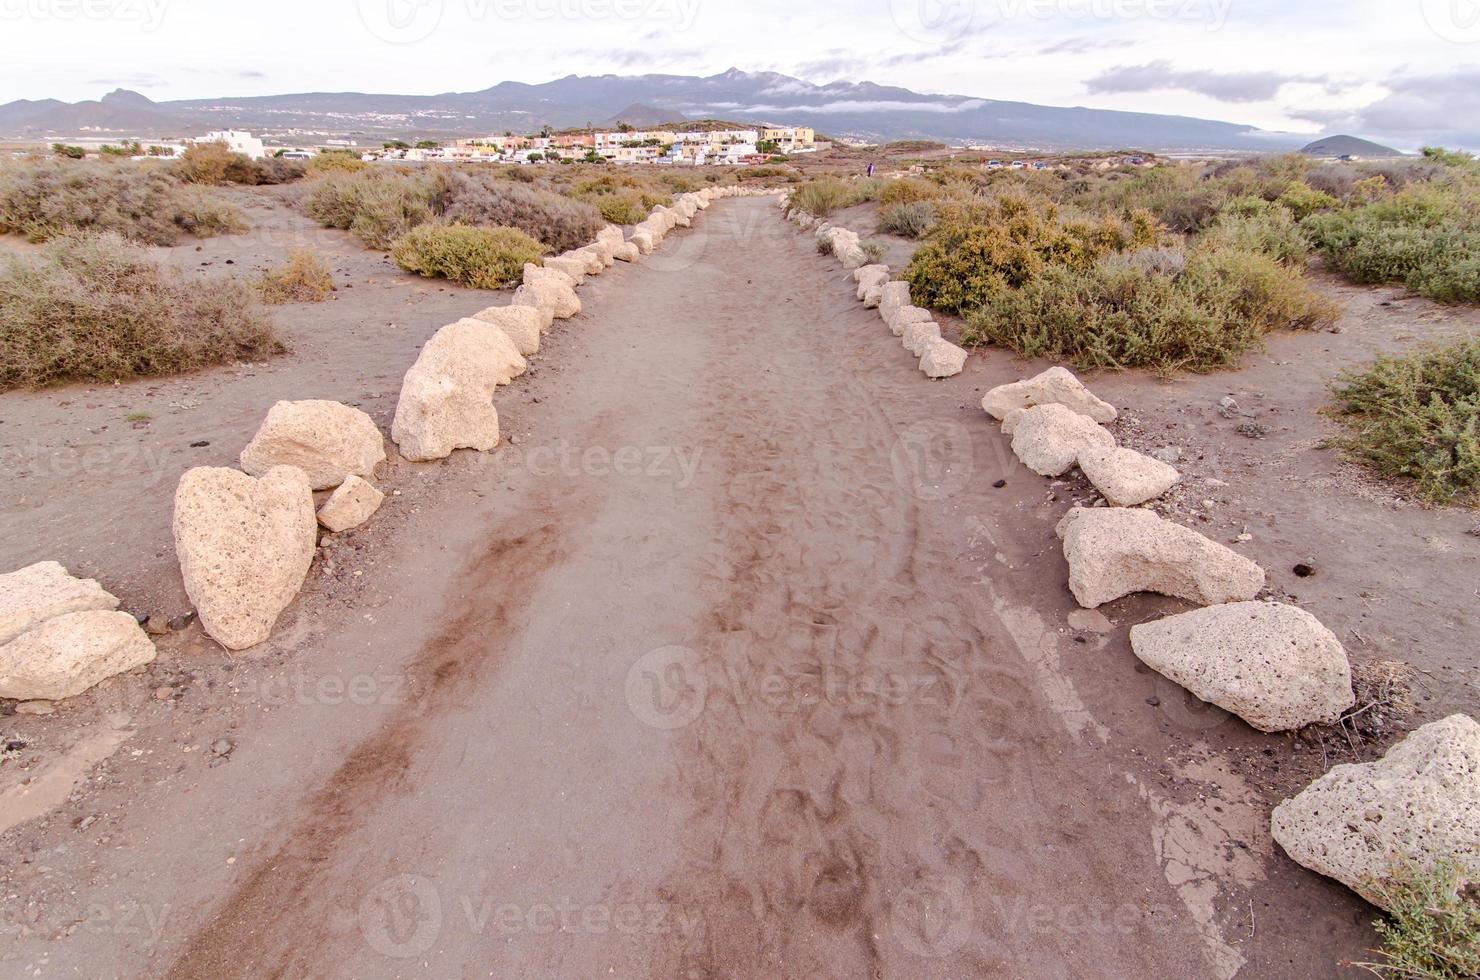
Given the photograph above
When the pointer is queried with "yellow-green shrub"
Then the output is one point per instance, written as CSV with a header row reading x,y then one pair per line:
x,y
484,258
304,279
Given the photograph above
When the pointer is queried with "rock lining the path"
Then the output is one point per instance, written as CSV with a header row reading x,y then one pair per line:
x,y
1056,385
326,440
1125,477
66,655
351,505
1274,665
45,590
1049,438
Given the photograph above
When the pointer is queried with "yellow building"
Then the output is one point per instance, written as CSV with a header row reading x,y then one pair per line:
x,y
789,137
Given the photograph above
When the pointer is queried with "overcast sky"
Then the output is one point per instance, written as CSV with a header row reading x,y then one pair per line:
x,y
1405,71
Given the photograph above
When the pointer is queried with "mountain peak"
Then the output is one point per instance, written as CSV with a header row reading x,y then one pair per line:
x,y
127,97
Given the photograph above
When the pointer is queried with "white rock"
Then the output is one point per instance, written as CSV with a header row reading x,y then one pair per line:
x,y
1125,477
611,234
644,241
591,261
1275,666
942,359
534,273
874,294
351,505
573,267
522,324
903,316
66,655
447,396
875,271
1418,804
604,252
919,334
326,440
1114,551
245,546
559,299
1055,386
894,295
36,593
626,252
1049,438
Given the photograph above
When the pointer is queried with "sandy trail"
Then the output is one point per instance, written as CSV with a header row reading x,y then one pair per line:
x,y
747,672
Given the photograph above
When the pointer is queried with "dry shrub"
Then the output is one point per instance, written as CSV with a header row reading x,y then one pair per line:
x,y
94,307
377,206
907,190
484,258
304,279
1432,928
909,220
141,201
483,199
334,162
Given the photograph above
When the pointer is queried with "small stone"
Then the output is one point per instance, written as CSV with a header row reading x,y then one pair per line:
x,y
1000,484
200,444
1228,406
1167,454
35,708
181,622
1154,701
1253,430
1304,570
221,747
164,693
156,625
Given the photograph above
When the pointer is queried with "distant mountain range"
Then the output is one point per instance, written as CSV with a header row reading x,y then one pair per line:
x,y
842,109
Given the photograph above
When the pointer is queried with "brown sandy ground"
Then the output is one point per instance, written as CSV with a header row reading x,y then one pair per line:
x,y
735,664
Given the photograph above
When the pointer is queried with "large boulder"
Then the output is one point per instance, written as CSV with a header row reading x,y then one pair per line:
x,y
644,241
521,324
626,252
603,250
1114,551
1275,666
1417,805
1125,477
942,359
1049,438
557,298
894,295
590,259
245,546
66,655
43,591
447,396
350,506
326,440
918,336
1055,386
611,234
899,318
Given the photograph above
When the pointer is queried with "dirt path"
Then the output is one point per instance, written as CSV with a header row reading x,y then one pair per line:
x,y
737,664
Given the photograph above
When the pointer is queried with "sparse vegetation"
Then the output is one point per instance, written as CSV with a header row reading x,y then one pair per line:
x,y
304,279
873,251
484,258
1417,417
377,206
1433,929
483,199
214,163
821,198
141,201
97,308
335,162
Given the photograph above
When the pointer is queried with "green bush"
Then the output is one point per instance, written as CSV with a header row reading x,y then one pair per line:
x,y
1124,311
483,258
141,201
1426,237
1433,929
1268,230
907,220
908,190
304,279
821,198
1417,417
97,308
378,206
976,252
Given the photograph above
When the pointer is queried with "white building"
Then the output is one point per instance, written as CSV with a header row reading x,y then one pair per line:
x,y
237,141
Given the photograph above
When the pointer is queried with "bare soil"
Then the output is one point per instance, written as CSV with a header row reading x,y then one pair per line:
x,y
735,663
